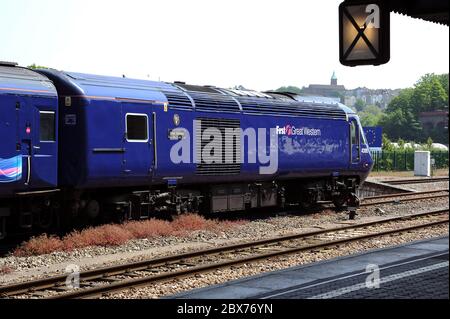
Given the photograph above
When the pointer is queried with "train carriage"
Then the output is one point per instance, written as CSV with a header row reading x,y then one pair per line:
x,y
28,140
128,148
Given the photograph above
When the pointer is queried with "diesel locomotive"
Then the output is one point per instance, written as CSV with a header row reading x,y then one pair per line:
x,y
79,148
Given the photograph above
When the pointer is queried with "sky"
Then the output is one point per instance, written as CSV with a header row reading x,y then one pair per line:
x,y
259,44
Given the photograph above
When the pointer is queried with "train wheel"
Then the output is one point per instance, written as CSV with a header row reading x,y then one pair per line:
x,y
306,205
92,209
45,219
339,202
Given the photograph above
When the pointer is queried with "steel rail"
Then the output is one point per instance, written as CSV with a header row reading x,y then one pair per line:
x,y
389,201
406,194
415,181
51,282
98,291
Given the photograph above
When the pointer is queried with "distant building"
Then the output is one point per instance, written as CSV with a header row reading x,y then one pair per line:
x,y
379,97
318,99
349,100
434,119
328,90
334,79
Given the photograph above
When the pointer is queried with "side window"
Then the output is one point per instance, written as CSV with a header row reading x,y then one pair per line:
x,y
47,132
137,127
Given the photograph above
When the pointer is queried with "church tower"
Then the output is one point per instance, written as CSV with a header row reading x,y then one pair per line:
x,y
334,79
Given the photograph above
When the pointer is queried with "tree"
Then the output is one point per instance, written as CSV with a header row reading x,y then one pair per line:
x,y
359,105
401,123
401,101
368,119
387,145
439,134
443,79
34,66
371,115
428,94
290,89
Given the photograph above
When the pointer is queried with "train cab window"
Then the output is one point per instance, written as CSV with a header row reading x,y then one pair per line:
x,y
47,131
354,133
363,136
137,127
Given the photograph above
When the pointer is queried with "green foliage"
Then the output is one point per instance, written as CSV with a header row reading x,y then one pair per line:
x,y
371,116
403,160
359,105
368,119
401,123
290,89
443,79
440,135
429,143
430,93
387,144
402,101
34,67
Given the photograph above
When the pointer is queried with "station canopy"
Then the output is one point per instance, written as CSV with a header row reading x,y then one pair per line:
x,y
429,10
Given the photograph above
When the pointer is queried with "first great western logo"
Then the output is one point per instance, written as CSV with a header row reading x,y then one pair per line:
x,y
291,130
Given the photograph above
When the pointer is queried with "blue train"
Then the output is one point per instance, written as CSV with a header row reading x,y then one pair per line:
x,y
78,147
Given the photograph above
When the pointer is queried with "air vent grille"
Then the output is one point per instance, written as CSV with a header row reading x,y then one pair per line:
x,y
214,102
178,100
282,107
230,146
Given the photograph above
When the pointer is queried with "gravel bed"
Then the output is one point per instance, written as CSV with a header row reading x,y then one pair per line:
x,y
422,187
382,177
225,275
23,267
233,255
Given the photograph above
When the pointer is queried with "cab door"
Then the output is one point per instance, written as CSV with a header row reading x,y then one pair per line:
x,y
44,147
138,148
25,139
36,142
355,142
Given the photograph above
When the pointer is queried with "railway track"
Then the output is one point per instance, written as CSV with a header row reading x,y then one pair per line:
x,y
95,283
14,241
400,197
403,197
415,181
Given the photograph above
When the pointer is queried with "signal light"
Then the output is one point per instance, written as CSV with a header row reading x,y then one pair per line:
x,y
364,33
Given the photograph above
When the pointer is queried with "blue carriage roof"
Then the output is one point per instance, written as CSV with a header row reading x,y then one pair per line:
x,y
17,80
202,98
98,86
